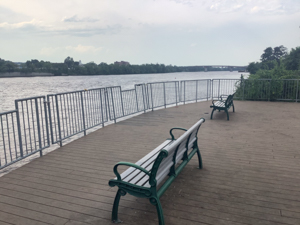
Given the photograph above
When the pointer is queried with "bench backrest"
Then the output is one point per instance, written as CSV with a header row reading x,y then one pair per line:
x,y
229,100
171,155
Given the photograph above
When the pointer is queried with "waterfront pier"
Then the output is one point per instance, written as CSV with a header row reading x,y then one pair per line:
x,y
250,175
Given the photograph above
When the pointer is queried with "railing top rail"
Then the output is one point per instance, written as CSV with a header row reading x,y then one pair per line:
x,y
128,90
8,112
162,82
24,99
63,93
227,79
195,80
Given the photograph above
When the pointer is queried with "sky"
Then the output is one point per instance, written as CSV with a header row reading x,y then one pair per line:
x,y
170,32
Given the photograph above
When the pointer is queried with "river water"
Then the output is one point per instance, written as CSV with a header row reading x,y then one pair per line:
x,y
24,87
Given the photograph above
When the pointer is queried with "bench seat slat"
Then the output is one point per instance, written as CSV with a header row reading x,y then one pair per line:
x,y
144,162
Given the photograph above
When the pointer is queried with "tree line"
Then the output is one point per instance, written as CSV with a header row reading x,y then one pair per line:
x,y
71,67
272,77
276,63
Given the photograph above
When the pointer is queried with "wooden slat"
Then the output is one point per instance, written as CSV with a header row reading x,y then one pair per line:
x,y
250,174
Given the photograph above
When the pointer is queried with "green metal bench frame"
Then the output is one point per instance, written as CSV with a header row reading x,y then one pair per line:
x,y
152,192
226,102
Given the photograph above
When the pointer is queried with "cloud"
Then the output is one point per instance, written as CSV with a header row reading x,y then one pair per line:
x,y
83,48
76,19
49,51
21,25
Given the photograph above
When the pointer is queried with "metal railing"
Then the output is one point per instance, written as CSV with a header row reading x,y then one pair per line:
x,y
194,90
37,121
161,94
71,113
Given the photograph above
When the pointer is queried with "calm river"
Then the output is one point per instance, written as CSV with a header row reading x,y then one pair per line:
x,y
23,87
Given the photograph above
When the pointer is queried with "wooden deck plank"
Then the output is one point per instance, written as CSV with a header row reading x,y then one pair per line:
x,y
250,175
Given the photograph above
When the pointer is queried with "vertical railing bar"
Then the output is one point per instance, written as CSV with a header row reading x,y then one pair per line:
x,y
136,97
176,94
297,91
75,112
151,95
72,115
102,116
87,113
50,117
46,121
184,93
29,125
113,105
58,121
196,90
69,115
165,100
83,114
38,125
8,137
97,115
13,125
5,157
33,126
219,89
78,110
41,111
62,117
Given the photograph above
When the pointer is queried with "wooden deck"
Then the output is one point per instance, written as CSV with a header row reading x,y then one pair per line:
x,y
251,171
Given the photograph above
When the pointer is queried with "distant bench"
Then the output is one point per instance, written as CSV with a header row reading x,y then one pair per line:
x,y
142,178
224,104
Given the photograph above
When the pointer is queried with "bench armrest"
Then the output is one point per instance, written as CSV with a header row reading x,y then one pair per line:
x,y
130,165
221,96
175,128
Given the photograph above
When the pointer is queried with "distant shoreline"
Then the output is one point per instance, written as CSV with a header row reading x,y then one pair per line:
x,y
19,74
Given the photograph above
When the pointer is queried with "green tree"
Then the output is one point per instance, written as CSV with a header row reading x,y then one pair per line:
x,y
292,60
69,62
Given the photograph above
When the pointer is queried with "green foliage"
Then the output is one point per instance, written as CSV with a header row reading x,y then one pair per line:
x,y
292,61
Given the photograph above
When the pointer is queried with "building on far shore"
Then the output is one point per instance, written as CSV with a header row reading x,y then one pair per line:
x,y
122,63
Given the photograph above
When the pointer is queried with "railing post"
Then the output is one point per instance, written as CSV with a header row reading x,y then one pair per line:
x,y
113,105
184,93
136,97
151,95
165,95
207,87
176,91
102,117
196,90
297,90
47,104
121,95
269,90
19,129
219,89
83,115
58,121
212,89
50,118
38,125
144,95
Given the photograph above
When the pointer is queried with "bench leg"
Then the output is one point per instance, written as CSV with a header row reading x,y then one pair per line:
x,y
114,216
212,113
226,110
233,107
160,214
199,159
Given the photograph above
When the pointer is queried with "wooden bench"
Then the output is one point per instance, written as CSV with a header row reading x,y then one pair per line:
x,y
224,104
151,176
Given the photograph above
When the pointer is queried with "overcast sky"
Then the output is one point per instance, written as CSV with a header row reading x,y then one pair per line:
x,y
177,32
